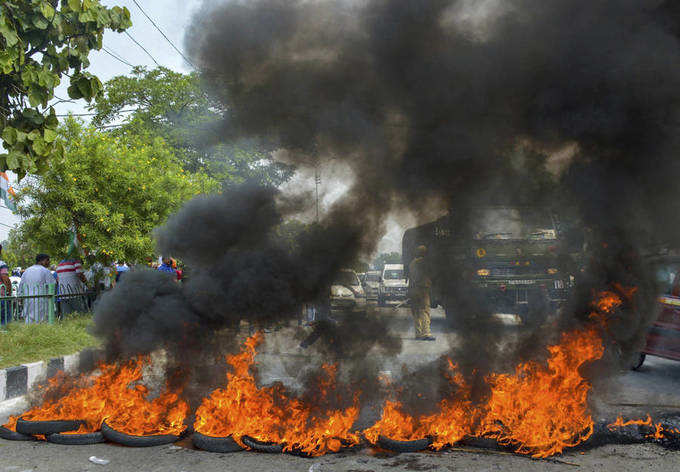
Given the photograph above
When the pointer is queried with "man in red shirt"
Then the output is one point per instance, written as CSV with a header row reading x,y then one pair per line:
x,y
72,286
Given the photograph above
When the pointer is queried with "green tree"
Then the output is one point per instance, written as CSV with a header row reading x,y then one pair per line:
x,y
41,40
162,102
18,252
115,190
386,258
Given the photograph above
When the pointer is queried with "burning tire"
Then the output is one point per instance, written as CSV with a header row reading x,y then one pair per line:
x,y
76,439
214,444
10,435
47,427
346,446
137,441
269,447
403,446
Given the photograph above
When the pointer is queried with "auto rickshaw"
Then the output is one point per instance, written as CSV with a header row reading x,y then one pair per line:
x,y
663,337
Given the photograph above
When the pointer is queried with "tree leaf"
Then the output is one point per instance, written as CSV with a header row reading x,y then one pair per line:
x,y
47,10
9,135
13,160
40,147
49,135
74,5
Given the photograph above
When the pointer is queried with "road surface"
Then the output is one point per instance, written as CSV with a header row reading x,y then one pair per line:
x,y
657,383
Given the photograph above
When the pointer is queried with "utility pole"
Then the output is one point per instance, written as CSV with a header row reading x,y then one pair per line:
x,y
317,180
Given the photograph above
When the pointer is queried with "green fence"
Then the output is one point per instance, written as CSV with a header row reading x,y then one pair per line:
x,y
43,303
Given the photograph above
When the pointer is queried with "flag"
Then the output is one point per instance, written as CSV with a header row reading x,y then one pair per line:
x,y
7,192
73,243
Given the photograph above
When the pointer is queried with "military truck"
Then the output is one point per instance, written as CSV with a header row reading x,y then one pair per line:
x,y
493,261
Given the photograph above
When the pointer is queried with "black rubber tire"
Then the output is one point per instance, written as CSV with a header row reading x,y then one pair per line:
x,y
10,435
403,446
137,441
254,444
76,439
215,444
345,448
47,427
638,363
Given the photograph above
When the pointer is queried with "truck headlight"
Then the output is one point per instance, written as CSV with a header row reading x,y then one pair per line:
x,y
552,271
483,272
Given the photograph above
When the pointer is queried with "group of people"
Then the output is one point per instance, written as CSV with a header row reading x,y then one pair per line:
x,y
73,288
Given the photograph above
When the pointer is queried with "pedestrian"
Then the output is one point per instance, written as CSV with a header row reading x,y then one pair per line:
x,y
101,277
5,291
71,286
166,266
36,281
121,268
419,294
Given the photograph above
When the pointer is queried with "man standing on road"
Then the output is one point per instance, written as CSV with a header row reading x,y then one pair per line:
x,y
419,294
35,281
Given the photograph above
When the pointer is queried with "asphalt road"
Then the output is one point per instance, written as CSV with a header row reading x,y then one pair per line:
x,y
655,388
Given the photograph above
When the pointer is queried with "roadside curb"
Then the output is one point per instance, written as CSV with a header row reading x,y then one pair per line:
x,y
17,381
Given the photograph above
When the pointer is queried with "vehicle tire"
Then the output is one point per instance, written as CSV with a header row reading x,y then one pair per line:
x,y
403,446
137,441
381,301
638,362
345,447
260,446
215,444
47,427
10,435
76,439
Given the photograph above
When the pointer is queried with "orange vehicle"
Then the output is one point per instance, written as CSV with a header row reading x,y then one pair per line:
x,y
663,338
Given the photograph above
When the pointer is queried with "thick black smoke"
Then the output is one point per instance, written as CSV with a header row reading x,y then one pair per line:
x,y
427,102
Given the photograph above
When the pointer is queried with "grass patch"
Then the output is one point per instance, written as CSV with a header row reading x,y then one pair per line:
x,y
38,342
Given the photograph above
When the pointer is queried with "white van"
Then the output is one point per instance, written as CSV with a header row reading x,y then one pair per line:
x,y
393,284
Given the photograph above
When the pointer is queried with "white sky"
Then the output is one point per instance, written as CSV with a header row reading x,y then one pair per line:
x,y
172,17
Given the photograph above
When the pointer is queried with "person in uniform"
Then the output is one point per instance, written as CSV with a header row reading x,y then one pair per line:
x,y
419,294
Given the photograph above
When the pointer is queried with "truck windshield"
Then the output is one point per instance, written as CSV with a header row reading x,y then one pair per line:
x,y
346,278
512,223
394,274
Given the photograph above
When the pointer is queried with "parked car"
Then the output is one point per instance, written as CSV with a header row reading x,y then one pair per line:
x,y
663,337
347,293
372,284
393,284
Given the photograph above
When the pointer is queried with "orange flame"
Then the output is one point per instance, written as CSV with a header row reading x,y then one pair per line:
x,y
271,414
539,409
452,422
108,396
543,409
659,432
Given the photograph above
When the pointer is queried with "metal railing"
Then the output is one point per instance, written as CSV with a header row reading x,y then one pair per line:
x,y
43,303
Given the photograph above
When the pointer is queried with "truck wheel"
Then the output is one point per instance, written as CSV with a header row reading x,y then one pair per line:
x,y
638,363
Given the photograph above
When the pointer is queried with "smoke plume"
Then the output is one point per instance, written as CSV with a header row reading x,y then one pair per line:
x,y
447,102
